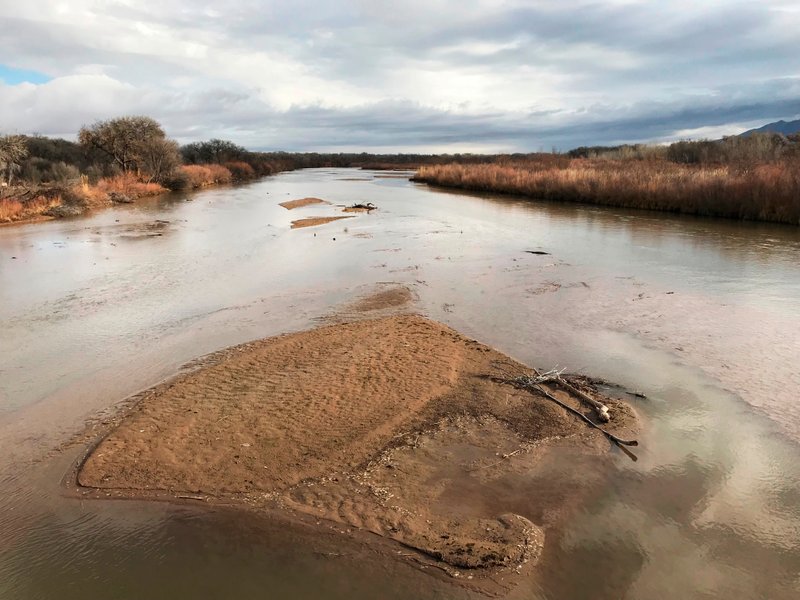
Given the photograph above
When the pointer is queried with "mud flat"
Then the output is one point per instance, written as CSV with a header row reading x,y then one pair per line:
x,y
395,426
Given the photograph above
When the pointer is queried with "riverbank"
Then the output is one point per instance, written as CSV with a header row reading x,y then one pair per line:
x,y
764,192
29,204
377,424
47,203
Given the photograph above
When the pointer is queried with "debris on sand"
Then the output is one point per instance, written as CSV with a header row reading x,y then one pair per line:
x,y
359,207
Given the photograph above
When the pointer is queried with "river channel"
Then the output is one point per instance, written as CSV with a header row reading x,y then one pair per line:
x,y
701,316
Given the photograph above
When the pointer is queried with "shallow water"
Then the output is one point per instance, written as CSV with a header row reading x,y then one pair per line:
x,y
703,316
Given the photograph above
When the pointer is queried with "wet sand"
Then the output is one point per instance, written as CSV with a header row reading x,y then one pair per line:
x,y
397,425
290,204
313,221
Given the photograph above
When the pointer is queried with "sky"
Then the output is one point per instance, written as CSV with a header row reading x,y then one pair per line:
x,y
403,75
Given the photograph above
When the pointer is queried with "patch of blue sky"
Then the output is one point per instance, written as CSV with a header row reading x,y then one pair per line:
x,y
12,76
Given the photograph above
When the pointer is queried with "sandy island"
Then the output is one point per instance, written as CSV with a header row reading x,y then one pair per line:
x,y
396,425
290,204
312,221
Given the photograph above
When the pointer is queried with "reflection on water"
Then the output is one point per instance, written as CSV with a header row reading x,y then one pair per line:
x,y
701,315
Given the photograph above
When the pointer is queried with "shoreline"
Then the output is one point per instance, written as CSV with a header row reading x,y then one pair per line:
x,y
409,453
87,210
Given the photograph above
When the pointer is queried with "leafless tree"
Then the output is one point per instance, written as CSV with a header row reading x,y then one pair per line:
x,y
13,150
135,144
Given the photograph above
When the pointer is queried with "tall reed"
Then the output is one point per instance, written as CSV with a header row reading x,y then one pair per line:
x,y
766,192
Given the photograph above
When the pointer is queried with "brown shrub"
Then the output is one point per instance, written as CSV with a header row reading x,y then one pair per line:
x,y
203,175
130,185
241,171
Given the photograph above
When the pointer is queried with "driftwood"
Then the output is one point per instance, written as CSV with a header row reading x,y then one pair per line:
x,y
555,376
600,408
535,384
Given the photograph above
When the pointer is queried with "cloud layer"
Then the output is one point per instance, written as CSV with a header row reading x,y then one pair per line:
x,y
439,75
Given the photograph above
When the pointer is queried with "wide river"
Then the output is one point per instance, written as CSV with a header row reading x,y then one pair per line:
x,y
702,316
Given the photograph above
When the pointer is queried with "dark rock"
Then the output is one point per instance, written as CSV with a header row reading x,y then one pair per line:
x,y
118,198
66,210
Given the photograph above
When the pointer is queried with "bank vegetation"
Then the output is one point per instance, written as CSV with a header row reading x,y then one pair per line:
x,y
753,178
120,160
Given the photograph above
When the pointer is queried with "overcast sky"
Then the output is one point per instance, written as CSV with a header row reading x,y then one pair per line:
x,y
410,75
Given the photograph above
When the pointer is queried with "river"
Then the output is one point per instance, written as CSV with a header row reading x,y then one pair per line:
x,y
700,315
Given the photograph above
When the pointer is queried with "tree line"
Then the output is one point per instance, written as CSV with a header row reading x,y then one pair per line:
x,y
757,148
137,146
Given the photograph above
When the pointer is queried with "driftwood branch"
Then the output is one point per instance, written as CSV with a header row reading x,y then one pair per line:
x,y
600,408
364,206
533,384
554,375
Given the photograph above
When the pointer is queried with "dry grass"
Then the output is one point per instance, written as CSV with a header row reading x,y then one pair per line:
x,y
12,209
203,175
130,185
767,192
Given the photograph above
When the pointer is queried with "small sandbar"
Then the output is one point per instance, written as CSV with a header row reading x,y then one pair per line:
x,y
398,426
290,204
313,221
390,298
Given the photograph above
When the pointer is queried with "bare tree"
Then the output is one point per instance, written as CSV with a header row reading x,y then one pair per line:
x,y
134,144
13,150
159,158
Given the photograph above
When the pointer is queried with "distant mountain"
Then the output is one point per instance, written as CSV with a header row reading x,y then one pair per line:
x,y
784,127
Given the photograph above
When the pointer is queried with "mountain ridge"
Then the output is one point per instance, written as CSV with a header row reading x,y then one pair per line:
x,y
784,127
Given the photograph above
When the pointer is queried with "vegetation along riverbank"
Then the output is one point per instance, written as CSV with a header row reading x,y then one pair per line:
x,y
756,177
120,160
752,178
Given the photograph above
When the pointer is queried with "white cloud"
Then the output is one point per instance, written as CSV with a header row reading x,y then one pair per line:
x,y
438,74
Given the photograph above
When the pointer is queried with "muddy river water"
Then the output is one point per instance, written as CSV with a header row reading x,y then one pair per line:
x,y
701,316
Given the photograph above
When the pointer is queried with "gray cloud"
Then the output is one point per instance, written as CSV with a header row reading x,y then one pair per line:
x,y
436,75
